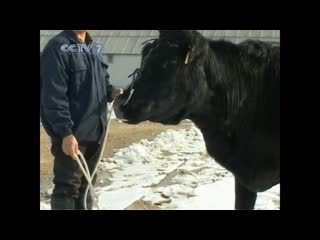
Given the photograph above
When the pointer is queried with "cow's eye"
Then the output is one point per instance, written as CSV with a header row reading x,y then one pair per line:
x,y
173,45
166,43
165,65
170,62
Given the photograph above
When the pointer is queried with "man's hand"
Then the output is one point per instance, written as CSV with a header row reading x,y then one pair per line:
x,y
116,92
70,146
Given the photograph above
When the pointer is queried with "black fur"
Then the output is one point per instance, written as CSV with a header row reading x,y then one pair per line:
x,y
230,91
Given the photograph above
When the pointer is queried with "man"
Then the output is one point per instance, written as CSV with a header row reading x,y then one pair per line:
x,y
75,91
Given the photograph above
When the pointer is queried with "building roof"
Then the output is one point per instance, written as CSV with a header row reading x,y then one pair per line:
x,y
129,41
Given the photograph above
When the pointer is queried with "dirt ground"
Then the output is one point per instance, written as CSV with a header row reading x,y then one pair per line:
x,y
120,136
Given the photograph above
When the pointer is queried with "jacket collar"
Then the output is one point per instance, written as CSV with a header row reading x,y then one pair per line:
x,y
73,37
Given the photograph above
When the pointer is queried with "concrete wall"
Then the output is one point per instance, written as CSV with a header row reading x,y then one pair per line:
x,y
121,68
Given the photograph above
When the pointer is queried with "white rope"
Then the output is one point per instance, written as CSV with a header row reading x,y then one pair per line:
x,y
86,171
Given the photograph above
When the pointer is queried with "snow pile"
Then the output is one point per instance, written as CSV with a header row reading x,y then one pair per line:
x,y
173,171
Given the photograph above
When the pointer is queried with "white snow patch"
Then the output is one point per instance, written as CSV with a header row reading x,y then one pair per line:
x,y
121,198
44,206
198,182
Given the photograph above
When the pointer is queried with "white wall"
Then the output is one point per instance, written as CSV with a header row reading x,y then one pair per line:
x,y
121,68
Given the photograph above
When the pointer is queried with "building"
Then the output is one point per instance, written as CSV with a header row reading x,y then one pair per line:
x,y
122,48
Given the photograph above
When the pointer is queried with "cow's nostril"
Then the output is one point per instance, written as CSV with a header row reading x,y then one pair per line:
x,y
118,112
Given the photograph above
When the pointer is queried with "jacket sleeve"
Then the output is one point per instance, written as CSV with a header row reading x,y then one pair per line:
x,y
109,88
54,99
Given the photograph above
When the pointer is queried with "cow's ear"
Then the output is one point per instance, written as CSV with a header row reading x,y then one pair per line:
x,y
196,45
190,43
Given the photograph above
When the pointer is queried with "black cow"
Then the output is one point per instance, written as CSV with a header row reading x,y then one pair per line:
x,y
230,91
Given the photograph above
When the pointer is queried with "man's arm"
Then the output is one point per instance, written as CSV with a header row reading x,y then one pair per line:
x,y
109,88
54,100
112,92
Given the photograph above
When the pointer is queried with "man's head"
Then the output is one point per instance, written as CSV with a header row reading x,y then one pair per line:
x,y
79,31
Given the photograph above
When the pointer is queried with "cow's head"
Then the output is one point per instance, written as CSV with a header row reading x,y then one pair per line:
x,y
171,80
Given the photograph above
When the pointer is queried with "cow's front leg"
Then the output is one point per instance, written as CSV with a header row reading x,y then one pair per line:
x,y
245,199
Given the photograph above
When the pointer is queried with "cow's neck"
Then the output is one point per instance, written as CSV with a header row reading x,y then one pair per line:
x,y
219,139
212,116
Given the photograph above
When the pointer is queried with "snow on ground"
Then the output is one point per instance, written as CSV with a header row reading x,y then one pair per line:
x,y
220,196
173,171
